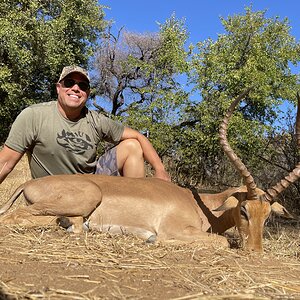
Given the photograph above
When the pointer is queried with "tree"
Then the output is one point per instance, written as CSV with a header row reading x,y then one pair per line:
x,y
138,75
38,38
255,51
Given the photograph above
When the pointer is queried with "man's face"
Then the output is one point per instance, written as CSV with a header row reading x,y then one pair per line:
x,y
75,96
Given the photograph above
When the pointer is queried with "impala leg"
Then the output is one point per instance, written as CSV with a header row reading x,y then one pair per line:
x,y
195,235
22,216
147,235
72,224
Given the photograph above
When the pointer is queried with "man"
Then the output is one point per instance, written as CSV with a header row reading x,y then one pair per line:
x,y
61,137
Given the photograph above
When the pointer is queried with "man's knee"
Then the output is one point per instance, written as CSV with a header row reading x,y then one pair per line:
x,y
130,158
131,146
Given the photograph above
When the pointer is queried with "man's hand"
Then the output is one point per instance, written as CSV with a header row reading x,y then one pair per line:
x,y
162,174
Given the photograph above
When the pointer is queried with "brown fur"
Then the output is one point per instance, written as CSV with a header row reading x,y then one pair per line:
x,y
148,207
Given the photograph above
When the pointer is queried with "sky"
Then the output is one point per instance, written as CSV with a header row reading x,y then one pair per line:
x,y
202,18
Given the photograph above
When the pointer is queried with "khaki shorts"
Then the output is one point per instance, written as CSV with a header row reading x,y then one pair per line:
x,y
107,163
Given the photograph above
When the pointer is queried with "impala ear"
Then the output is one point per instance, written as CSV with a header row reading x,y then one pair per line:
x,y
280,210
229,203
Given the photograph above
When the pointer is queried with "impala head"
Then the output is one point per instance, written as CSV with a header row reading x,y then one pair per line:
x,y
250,221
252,206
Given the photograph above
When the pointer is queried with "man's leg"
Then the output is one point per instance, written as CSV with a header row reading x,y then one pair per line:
x,y
130,158
126,159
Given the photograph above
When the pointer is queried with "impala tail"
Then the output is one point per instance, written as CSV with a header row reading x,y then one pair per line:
x,y
12,199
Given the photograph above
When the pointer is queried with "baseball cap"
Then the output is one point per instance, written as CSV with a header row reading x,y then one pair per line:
x,y
73,69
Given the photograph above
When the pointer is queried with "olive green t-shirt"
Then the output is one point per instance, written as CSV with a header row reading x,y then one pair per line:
x,y
56,145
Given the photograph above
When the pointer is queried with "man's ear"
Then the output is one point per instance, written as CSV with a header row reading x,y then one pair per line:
x,y
57,85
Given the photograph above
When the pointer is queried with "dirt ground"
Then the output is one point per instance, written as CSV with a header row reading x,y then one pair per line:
x,y
50,263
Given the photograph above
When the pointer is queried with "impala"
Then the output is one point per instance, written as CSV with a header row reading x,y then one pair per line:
x,y
153,209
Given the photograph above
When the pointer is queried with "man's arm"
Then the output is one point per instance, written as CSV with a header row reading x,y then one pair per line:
x,y
8,159
150,153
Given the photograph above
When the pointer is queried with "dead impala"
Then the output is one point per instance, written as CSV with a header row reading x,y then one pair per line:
x,y
151,208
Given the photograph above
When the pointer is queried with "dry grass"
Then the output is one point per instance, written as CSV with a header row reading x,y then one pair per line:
x,y
49,263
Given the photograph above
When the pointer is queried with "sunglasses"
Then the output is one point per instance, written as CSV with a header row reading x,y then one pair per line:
x,y
69,82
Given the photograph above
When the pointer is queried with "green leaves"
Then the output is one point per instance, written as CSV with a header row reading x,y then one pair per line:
x,y
37,39
255,50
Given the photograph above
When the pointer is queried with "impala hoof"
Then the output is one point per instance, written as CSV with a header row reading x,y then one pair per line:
x,y
70,229
64,222
86,226
151,239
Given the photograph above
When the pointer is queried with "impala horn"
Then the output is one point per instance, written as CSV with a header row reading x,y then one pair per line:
x,y
278,188
238,164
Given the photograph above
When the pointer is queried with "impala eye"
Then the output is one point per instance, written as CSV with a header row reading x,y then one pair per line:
x,y
244,213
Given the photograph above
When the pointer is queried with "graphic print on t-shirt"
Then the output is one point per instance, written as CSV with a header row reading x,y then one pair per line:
x,y
75,142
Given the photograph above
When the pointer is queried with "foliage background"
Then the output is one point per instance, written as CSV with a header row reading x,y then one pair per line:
x,y
37,39
139,79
